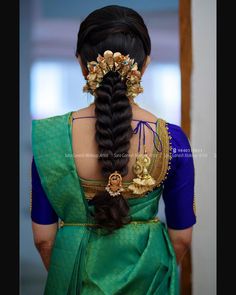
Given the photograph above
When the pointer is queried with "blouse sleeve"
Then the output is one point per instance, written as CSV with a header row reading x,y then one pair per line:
x,y
178,193
41,210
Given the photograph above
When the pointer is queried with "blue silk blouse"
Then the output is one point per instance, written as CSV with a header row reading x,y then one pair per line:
x,y
178,193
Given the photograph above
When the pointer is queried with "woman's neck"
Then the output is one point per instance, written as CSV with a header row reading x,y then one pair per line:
x,y
133,104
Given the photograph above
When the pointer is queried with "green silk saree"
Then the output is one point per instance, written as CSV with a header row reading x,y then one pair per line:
x,y
137,259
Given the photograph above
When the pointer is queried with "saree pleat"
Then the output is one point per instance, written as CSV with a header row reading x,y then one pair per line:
x,y
79,266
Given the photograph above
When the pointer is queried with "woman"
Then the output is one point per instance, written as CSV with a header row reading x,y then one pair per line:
x,y
101,171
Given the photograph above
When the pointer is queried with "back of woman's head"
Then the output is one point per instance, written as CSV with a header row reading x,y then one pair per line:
x,y
118,29
114,28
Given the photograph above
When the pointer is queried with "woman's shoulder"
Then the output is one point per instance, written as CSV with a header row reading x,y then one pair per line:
x,y
180,143
52,118
85,112
143,114
177,133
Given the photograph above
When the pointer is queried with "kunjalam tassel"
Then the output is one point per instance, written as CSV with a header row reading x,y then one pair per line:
x,y
144,182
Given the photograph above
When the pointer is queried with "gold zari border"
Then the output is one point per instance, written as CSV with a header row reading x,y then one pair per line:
x,y
135,222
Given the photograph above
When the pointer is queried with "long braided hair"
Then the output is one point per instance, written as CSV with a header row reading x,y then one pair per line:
x,y
118,29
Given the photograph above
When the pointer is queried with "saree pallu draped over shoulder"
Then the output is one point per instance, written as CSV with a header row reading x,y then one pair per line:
x,y
137,259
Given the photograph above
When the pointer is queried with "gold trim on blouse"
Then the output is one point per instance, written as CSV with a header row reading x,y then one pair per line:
x,y
158,169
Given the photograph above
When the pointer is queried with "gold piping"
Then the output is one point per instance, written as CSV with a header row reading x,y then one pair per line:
x,y
135,222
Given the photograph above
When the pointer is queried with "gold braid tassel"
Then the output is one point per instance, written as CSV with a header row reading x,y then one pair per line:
x,y
144,182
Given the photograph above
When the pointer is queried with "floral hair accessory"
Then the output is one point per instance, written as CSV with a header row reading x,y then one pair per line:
x,y
123,64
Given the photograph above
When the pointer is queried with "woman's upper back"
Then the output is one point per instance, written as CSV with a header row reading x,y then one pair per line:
x,y
51,141
85,148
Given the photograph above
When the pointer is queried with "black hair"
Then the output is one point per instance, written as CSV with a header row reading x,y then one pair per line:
x,y
119,29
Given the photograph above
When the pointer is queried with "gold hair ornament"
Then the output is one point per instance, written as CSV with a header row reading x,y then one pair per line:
x,y
123,64
114,186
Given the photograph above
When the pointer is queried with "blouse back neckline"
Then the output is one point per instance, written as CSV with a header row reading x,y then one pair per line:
x,y
153,155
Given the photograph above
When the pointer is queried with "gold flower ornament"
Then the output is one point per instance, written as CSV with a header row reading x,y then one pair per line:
x,y
123,64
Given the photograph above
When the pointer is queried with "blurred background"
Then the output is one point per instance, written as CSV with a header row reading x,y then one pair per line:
x,y
51,84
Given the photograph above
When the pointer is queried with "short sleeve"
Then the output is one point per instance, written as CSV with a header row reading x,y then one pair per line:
x,y
178,193
41,210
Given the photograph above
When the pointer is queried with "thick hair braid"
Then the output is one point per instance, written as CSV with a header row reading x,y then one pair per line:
x,y
113,133
118,29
